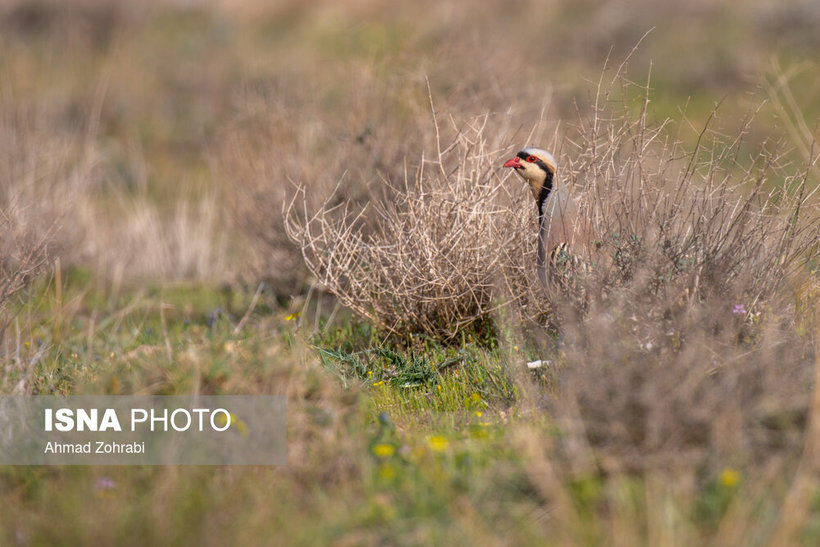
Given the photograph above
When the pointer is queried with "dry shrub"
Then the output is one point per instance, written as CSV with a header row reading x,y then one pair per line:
x,y
673,230
692,350
679,228
439,255
724,228
350,105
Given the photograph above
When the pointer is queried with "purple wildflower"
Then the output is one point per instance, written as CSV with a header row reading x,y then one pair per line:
x,y
105,483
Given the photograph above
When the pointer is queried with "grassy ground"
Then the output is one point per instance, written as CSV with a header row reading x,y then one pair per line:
x,y
385,443
153,148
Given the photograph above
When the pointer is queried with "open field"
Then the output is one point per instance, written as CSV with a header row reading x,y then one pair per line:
x,y
306,199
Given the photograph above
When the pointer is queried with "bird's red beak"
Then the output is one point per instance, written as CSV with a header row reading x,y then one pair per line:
x,y
513,162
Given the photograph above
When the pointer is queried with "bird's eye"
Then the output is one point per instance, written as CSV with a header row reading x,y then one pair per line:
x,y
532,159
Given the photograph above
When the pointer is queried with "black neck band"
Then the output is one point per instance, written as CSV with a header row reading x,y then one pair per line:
x,y
546,188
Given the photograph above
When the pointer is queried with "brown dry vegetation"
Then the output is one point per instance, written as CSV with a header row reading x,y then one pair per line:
x,y
673,229
160,153
439,253
296,144
22,258
659,371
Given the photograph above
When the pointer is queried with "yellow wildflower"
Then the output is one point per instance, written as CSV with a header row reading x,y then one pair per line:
x,y
729,477
437,443
384,450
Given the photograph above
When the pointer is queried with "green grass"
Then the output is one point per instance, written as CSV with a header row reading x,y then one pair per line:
x,y
420,427
387,443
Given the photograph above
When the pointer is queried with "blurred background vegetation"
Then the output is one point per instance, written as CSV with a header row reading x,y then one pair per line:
x,y
147,150
160,138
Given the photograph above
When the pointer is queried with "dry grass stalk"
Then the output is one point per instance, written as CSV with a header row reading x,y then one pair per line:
x,y
22,258
798,500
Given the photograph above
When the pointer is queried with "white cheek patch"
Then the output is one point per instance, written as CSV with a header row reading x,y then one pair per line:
x,y
535,173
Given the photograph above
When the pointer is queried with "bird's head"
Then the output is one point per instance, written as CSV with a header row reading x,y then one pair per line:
x,y
534,166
